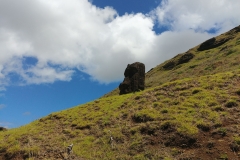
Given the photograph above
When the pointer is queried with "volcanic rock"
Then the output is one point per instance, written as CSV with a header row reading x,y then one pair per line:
x,y
185,58
169,65
134,78
212,43
208,44
234,30
2,129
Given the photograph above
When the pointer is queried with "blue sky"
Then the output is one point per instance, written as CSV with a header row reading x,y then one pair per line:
x,y
58,54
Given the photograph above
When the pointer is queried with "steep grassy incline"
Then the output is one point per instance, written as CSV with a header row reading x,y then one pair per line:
x,y
208,58
190,118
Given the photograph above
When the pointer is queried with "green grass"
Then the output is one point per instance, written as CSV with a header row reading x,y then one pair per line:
x,y
130,119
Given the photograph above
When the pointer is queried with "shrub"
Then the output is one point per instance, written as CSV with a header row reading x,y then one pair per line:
x,y
164,111
235,145
222,131
218,108
223,156
196,90
155,104
167,125
238,42
14,149
231,103
142,117
238,92
203,126
230,52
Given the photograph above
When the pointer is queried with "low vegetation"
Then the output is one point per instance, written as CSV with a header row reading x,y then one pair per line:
x,y
173,116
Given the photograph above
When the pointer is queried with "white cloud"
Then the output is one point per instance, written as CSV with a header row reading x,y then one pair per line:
x,y
170,43
68,35
204,14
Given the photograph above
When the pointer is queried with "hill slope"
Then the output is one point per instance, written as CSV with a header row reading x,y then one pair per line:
x,y
190,110
218,56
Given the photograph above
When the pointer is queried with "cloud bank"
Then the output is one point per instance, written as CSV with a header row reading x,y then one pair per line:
x,y
220,15
44,41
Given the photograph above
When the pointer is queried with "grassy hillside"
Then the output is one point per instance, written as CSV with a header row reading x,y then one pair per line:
x,y
190,110
225,57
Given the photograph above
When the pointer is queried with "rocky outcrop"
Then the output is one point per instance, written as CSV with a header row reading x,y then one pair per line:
x,y
208,44
216,42
2,129
185,58
212,43
134,78
179,59
169,65
234,30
